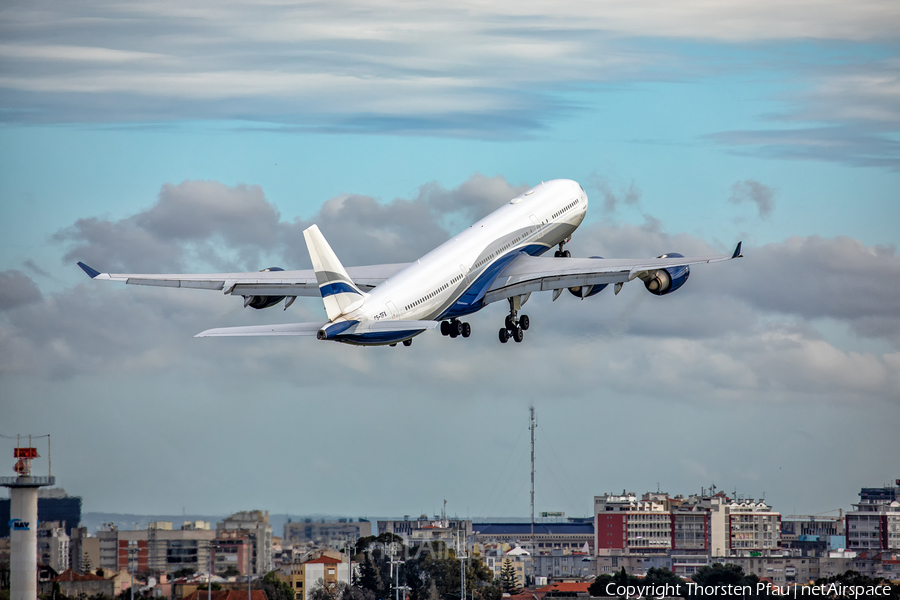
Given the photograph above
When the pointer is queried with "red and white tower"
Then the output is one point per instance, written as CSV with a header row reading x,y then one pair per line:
x,y
23,524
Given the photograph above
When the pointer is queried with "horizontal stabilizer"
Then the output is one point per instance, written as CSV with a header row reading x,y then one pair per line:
x,y
313,328
256,330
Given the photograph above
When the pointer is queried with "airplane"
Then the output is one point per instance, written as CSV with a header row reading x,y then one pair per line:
x,y
498,258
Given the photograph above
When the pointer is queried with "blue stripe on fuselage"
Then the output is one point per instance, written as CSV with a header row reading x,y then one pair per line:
x,y
472,300
338,287
378,338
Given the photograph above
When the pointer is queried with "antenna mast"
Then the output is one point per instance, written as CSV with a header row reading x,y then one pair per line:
x,y
533,546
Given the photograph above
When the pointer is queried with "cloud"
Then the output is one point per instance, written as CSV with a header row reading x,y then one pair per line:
x,y
34,268
739,343
731,329
837,143
756,193
628,196
489,71
194,220
16,289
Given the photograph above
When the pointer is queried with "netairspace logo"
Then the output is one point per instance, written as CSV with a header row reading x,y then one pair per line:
x,y
832,590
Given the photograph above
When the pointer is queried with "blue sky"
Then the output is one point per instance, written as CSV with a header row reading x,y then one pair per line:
x,y
690,126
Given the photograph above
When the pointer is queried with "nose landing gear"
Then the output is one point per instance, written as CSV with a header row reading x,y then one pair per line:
x,y
563,253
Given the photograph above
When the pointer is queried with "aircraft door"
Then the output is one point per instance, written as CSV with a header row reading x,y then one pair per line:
x,y
391,307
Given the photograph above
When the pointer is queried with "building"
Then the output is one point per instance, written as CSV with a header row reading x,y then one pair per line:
x,y
326,534
627,524
53,546
570,535
560,565
84,550
303,575
874,525
87,585
698,525
157,549
53,505
244,540
457,528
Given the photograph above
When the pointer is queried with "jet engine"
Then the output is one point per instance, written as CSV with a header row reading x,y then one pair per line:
x,y
260,302
586,291
665,281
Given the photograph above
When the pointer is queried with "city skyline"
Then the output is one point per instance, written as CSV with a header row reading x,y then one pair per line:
x,y
167,138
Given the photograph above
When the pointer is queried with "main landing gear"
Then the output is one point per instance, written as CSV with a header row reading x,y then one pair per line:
x,y
455,328
407,342
563,253
514,327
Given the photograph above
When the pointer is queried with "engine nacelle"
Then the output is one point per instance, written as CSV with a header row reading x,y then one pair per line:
x,y
587,291
665,281
260,302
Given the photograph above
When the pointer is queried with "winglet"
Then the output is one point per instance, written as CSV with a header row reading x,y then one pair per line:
x,y
91,272
737,251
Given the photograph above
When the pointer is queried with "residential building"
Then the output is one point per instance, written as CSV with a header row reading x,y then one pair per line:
x,y
303,575
157,549
88,585
625,523
458,528
53,546
494,558
874,525
562,564
326,534
247,537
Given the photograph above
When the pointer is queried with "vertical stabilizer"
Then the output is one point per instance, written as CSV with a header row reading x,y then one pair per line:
x,y
339,293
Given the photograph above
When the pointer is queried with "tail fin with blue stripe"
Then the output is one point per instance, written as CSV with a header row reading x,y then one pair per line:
x,y
339,293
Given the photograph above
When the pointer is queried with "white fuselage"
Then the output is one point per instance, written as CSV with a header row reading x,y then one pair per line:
x,y
445,282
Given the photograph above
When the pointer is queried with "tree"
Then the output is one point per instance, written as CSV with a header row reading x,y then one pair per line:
x,y
184,572
722,575
508,581
230,571
662,577
369,577
276,588
327,591
620,578
86,564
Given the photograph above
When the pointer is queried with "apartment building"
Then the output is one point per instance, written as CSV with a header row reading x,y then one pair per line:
x,y
874,525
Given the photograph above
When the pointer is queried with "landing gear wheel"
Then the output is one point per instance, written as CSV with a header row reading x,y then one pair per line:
x,y
466,330
518,334
558,254
566,254
394,344
504,336
445,328
453,333
407,342
524,322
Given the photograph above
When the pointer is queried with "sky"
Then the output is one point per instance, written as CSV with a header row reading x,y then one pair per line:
x,y
189,137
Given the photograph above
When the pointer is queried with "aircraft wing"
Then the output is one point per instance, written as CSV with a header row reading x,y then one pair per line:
x,y
526,274
255,283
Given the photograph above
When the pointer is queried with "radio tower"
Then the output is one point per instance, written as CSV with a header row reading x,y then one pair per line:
x,y
532,427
